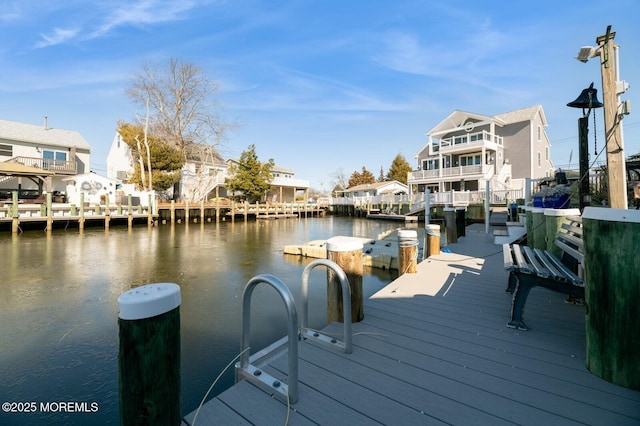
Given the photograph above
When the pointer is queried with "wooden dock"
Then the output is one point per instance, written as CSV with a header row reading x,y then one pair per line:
x,y
433,348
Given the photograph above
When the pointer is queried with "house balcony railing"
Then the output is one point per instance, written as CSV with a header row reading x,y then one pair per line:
x,y
478,170
61,167
466,142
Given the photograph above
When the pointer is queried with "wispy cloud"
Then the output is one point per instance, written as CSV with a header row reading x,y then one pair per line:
x,y
144,12
57,36
99,20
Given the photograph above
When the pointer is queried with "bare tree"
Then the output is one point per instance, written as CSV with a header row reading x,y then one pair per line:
x,y
179,104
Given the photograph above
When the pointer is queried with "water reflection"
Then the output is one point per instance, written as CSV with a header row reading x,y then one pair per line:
x,y
59,334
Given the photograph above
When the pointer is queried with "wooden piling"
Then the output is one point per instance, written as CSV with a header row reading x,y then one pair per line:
x,y
49,212
107,212
149,355
407,251
554,218
81,220
347,253
433,240
612,293
539,229
15,215
450,222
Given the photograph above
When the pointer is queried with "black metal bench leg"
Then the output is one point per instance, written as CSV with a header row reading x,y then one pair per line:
x,y
512,283
517,306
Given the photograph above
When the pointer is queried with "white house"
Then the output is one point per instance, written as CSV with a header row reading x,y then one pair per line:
x,y
465,150
392,187
204,173
94,187
47,154
119,159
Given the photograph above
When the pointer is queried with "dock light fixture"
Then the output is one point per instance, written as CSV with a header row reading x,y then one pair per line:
x,y
587,52
587,100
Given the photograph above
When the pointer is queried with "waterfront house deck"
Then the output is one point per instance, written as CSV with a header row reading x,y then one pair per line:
x,y
433,348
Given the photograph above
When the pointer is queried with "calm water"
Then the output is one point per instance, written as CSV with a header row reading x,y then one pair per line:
x,y
58,321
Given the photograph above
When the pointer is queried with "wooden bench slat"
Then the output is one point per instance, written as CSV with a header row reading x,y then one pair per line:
x,y
570,250
520,261
508,258
555,273
576,280
539,269
570,228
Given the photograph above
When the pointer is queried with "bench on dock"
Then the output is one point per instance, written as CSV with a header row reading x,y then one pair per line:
x,y
529,268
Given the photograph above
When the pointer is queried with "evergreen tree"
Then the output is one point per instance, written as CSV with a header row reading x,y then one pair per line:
x,y
399,169
381,176
361,178
249,177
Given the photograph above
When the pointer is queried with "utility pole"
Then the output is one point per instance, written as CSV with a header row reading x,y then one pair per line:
x,y
616,169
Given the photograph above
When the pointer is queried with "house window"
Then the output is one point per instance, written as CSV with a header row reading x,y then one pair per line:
x,y
470,160
546,153
539,159
430,164
539,133
53,158
459,139
6,150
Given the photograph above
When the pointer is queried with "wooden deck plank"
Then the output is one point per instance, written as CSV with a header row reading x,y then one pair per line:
x,y
571,400
447,356
215,409
359,393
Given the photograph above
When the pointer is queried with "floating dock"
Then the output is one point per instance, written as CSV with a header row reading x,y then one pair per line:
x,y
434,348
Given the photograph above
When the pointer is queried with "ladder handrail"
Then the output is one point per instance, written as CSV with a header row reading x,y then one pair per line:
x,y
291,389
346,298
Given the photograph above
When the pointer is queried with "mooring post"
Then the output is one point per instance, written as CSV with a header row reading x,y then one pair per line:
x,y
81,220
149,355
407,251
49,212
15,215
130,210
433,240
346,252
150,211
107,212
450,222
611,253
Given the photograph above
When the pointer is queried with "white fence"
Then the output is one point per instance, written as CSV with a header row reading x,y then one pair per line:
x,y
453,198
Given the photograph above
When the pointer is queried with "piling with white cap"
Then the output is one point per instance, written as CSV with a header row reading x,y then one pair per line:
x,y
347,253
149,355
407,251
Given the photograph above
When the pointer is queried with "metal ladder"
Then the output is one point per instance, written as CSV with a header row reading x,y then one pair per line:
x,y
346,303
250,366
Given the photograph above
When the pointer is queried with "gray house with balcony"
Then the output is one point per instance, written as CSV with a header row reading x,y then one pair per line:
x,y
466,150
37,158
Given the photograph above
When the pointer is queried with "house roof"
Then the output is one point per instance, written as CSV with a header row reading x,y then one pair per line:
x,y
22,132
374,186
520,115
459,120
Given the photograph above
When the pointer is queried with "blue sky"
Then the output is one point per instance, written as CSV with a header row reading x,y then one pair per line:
x,y
319,86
